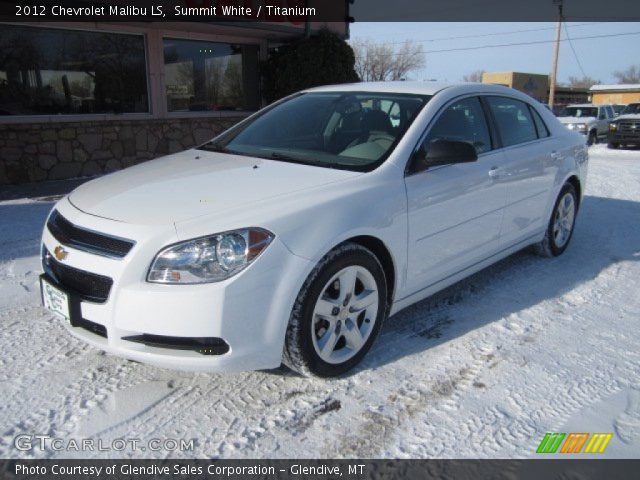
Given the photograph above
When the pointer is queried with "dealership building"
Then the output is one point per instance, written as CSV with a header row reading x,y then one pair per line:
x,y
81,99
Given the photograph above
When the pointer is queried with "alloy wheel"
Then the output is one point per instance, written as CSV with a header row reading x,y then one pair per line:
x,y
563,220
344,314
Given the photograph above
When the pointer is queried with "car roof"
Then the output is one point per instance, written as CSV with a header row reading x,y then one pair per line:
x,y
416,88
587,105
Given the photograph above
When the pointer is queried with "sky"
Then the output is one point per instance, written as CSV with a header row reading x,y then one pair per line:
x,y
594,57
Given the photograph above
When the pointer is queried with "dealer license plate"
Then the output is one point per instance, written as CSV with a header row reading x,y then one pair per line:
x,y
55,300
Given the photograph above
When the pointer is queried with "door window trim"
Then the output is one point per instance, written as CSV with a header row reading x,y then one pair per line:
x,y
435,118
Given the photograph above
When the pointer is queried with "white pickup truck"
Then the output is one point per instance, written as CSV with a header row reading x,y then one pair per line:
x,y
588,119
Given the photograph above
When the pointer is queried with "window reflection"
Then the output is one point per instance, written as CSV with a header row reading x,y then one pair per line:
x,y
210,76
53,71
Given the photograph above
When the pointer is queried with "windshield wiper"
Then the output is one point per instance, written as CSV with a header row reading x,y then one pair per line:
x,y
215,147
289,158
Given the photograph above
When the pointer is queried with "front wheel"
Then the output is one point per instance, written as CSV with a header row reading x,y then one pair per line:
x,y
338,313
561,223
593,137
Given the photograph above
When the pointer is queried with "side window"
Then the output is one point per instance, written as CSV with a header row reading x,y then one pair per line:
x,y
543,131
513,119
462,121
610,111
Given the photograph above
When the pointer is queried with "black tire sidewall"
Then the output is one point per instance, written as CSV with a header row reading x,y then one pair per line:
x,y
360,257
555,250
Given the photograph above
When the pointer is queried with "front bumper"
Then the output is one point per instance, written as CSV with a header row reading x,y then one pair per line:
x,y
624,137
248,312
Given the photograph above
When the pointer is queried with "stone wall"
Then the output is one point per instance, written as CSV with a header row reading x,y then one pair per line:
x,y
35,152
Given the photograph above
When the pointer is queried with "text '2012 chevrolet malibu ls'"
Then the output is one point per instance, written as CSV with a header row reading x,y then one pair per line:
x,y
292,236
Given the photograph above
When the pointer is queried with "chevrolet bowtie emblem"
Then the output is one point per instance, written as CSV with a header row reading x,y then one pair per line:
x,y
60,253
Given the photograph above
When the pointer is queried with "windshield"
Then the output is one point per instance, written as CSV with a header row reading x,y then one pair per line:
x,y
579,112
631,108
348,130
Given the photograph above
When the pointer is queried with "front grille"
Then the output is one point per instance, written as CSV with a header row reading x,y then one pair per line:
x,y
88,286
629,127
82,239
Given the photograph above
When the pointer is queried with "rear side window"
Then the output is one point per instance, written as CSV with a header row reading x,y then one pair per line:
x,y
543,131
514,120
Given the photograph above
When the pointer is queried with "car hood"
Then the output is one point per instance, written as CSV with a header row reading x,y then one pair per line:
x,y
573,120
194,183
629,116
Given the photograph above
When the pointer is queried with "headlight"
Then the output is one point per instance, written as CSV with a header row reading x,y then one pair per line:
x,y
613,127
209,259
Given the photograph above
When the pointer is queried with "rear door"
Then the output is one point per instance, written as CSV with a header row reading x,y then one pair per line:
x,y
454,211
530,165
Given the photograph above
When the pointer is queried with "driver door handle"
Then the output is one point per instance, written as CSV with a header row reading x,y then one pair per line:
x,y
494,172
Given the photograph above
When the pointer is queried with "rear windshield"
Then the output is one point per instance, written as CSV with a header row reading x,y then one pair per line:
x,y
348,130
632,108
579,112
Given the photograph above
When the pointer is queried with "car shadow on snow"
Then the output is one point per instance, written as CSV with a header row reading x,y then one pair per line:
x,y
21,227
607,232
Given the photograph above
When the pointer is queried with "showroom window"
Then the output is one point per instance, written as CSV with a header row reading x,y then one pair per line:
x,y
202,76
46,71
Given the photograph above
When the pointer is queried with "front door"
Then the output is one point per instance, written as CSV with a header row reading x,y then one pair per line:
x,y
454,211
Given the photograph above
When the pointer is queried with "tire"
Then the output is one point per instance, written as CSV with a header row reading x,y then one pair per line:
x,y
593,137
613,145
327,333
560,228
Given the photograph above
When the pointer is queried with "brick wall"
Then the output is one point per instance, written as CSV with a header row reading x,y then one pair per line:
x,y
36,152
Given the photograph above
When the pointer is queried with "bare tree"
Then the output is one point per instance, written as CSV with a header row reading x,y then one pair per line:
x,y
473,77
382,62
630,75
584,82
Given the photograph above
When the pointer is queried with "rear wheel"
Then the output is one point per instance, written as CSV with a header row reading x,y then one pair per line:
x,y
561,224
338,313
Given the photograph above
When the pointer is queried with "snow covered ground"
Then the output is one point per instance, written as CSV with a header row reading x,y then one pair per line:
x,y
485,369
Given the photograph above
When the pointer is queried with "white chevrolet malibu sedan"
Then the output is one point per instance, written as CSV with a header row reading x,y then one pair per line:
x,y
292,236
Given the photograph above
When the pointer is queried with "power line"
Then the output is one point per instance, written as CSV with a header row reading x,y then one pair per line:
x,y
566,31
515,44
493,34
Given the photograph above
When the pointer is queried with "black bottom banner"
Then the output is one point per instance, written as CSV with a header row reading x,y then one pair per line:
x,y
543,469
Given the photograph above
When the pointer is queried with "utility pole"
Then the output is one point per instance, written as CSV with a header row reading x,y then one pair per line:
x,y
556,53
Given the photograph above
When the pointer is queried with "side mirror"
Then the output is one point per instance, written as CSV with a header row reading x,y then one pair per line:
x,y
445,152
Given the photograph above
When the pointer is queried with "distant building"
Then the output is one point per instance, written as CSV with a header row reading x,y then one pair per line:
x,y
568,95
533,84
537,86
616,94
